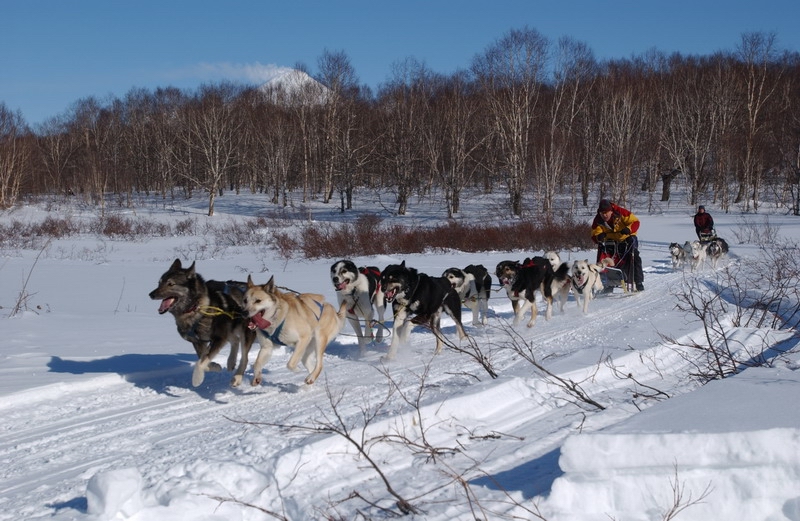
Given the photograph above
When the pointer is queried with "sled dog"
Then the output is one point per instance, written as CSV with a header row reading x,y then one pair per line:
x,y
586,280
559,286
359,289
677,254
209,314
522,280
697,254
715,250
424,297
474,286
304,321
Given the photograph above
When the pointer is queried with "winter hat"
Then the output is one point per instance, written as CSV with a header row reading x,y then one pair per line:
x,y
701,207
605,205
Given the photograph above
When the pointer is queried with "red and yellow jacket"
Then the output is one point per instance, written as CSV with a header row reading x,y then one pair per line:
x,y
621,219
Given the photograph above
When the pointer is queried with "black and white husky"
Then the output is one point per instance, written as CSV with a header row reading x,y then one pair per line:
x,y
421,296
360,290
559,286
474,286
523,280
715,250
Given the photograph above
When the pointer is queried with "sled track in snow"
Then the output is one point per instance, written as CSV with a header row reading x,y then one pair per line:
x,y
119,425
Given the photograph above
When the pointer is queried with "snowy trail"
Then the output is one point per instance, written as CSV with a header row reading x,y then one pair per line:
x,y
158,421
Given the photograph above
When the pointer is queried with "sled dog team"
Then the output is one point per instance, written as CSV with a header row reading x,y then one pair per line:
x,y
696,253
211,314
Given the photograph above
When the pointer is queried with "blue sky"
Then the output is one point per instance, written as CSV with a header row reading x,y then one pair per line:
x,y
55,52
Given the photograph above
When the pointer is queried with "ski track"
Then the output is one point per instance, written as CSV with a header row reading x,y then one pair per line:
x,y
147,413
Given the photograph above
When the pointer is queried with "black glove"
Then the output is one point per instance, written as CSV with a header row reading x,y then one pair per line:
x,y
601,237
625,231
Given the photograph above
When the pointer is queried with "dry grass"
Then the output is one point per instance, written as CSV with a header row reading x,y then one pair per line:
x,y
367,235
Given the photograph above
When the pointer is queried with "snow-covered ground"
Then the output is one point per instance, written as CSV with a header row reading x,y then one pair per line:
x,y
100,421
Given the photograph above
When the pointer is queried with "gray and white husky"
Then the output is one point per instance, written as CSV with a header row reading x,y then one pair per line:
x,y
677,254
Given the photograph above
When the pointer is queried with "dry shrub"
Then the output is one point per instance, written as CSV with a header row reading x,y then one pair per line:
x,y
238,234
369,236
185,227
55,228
284,244
325,240
115,226
145,228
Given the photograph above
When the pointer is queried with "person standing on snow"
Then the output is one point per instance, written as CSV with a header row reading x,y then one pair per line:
x,y
620,225
703,223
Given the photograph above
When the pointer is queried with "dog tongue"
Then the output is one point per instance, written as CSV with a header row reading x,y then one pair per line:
x,y
341,286
257,321
389,295
165,305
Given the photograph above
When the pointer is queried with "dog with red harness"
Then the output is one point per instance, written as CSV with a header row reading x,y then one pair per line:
x,y
360,289
523,280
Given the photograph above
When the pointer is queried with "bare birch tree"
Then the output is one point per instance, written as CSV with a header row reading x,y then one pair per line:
x,y
211,131
757,81
690,118
511,73
15,154
574,73
339,126
402,109
57,148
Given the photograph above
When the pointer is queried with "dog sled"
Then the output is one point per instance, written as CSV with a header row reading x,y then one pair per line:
x,y
707,236
620,275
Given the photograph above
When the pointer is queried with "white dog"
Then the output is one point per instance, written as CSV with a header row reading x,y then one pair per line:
x,y
559,287
697,254
586,280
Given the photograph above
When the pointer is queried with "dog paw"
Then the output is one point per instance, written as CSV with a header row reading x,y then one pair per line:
x,y
256,381
198,375
309,380
215,367
236,381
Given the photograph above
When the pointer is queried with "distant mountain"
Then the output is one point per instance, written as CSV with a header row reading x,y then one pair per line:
x,y
293,86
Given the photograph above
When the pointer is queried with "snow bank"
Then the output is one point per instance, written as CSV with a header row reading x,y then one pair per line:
x,y
713,463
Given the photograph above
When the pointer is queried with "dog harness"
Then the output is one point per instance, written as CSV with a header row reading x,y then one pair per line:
x,y
275,336
579,287
365,270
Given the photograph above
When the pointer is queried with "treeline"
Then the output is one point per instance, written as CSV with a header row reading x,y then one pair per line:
x,y
539,119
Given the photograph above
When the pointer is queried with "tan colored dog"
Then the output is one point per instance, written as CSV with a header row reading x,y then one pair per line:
x,y
586,280
304,321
